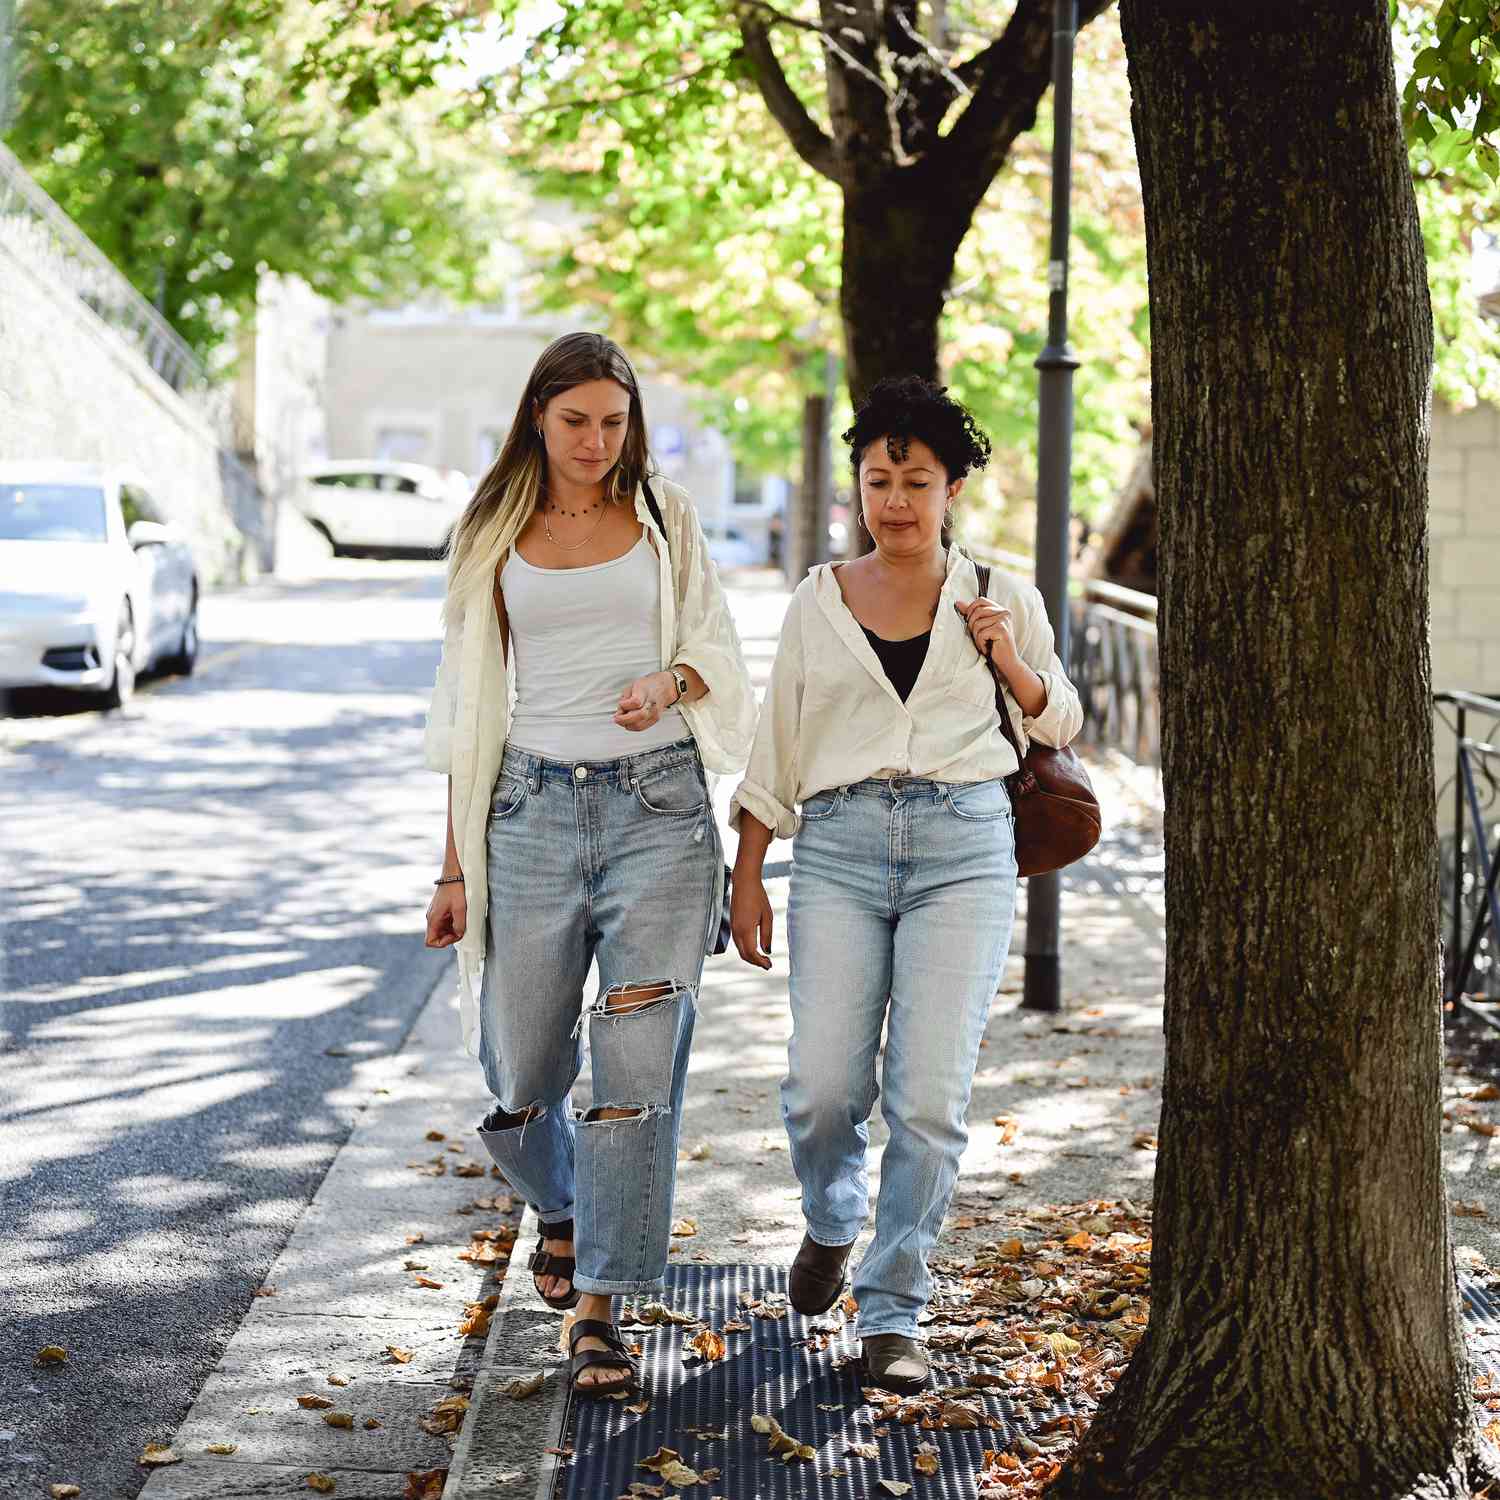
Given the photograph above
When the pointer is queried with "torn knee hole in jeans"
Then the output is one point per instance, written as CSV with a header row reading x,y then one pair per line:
x,y
617,1114
622,1001
508,1119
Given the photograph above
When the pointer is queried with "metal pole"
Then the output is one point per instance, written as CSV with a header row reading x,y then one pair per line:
x,y
1456,947
1056,363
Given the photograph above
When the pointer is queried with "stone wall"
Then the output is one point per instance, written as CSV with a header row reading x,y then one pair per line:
x,y
1464,522
72,389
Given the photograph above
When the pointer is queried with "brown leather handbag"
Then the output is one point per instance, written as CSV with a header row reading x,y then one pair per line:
x,y
1057,813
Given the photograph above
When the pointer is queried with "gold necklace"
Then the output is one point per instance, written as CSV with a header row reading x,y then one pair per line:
x,y
572,546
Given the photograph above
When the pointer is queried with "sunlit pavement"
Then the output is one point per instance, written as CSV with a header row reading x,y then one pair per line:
x,y
212,938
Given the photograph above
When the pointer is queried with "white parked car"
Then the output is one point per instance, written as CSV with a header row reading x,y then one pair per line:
x,y
95,585
379,504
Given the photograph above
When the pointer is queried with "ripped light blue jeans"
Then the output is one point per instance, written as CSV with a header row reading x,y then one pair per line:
x,y
902,898
616,861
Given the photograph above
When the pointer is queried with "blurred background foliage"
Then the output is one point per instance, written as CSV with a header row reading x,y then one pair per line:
x,y
385,152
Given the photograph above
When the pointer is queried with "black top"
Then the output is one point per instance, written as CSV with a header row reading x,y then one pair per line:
x,y
902,660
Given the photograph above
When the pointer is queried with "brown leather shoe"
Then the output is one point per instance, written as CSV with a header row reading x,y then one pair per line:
x,y
895,1362
817,1277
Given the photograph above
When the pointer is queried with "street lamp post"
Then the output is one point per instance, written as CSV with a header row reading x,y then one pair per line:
x,y
1056,363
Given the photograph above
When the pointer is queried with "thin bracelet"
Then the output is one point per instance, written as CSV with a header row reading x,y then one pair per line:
x,y
448,880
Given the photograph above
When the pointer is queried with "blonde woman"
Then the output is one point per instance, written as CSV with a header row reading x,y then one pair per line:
x,y
880,722
580,826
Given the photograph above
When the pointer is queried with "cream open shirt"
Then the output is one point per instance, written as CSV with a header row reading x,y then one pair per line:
x,y
469,717
831,716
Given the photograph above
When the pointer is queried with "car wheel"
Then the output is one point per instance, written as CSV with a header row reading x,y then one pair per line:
x,y
185,658
121,688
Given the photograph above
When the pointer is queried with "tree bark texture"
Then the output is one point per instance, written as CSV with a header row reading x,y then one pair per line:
x,y
1305,1335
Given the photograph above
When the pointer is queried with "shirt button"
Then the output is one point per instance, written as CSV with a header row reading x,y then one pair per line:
x,y
581,772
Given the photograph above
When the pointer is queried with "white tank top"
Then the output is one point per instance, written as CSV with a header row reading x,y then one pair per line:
x,y
581,636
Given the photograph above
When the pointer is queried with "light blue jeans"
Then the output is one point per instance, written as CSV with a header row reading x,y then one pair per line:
x,y
615,861
903,894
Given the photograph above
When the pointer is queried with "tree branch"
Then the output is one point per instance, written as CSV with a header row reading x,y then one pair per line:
x,y
1008,79
808,140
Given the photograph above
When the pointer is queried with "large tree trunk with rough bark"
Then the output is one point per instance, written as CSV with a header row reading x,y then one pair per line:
x,y
1305,1336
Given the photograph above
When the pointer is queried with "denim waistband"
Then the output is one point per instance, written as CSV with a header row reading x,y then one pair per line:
x,y
622,770
893,787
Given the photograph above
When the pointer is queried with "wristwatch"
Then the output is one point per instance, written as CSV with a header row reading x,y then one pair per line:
x,y
680,679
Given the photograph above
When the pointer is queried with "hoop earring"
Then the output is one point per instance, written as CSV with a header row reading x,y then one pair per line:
x,y
860,517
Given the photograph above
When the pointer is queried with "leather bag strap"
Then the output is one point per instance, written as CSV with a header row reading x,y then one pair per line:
x,y
983,570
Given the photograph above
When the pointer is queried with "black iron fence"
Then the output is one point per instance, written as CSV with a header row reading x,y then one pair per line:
x,y
1470,851
1112,660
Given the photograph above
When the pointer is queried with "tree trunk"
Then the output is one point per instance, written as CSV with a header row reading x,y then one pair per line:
x,y
898,255
1305,1335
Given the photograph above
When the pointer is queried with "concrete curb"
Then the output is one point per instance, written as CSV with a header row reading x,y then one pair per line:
x,y
504,1441
346,1289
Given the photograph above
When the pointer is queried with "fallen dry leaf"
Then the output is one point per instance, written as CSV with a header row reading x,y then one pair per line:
x,y
1484,1093
894,1486
700,1152
1144,1141
1008,1128
861,1450
315,1403
53,1354
321,1483
221,1448
684,1228
477,1315
446,1416
414,1265
469,1169
436,1135
926,1461
339,1418
1483,1127
525,1385
371,1423
782,1442
338,1380
707,1345
265,1291
64,1491
159,1453
398,1355
428,1282
416,1239
425,1485
654,1313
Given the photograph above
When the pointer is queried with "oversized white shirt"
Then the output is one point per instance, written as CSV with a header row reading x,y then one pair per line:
x,y
469,716
831,716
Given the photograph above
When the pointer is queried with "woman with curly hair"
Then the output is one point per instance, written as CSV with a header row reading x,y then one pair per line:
x,y
880,723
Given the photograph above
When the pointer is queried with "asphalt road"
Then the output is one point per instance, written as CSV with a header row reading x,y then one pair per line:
x,y
211,937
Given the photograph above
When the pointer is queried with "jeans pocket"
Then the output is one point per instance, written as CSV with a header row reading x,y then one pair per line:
x,y
674,792
510,792
820,805
978,801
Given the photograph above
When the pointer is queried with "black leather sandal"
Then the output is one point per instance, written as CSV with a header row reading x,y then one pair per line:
x,y
817,1276
546,1263
616,1357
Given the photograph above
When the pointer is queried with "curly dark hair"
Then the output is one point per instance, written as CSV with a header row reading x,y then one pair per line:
x,y
902,407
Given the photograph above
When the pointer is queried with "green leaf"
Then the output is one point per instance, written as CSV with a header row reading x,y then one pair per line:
x,y
1489,160
1450,148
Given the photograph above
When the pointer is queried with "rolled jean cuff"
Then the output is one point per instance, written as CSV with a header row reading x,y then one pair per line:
x,y
562,1218
832,1239
596,1287
906,1330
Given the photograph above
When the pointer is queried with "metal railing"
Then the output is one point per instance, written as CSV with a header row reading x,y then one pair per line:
x,y
1112,659
40,232
1470,864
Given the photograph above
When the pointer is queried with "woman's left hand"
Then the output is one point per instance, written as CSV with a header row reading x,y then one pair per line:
x,y
992,629
645,700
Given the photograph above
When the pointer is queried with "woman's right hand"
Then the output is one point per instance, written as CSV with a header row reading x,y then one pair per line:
x,y
750,919
447,915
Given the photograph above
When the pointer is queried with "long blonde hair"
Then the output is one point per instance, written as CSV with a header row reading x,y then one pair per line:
x,y
507,495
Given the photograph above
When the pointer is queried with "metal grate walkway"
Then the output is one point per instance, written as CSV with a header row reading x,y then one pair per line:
x,y
703,1410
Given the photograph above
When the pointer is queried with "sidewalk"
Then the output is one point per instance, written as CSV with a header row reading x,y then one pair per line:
x,y
1049,1223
